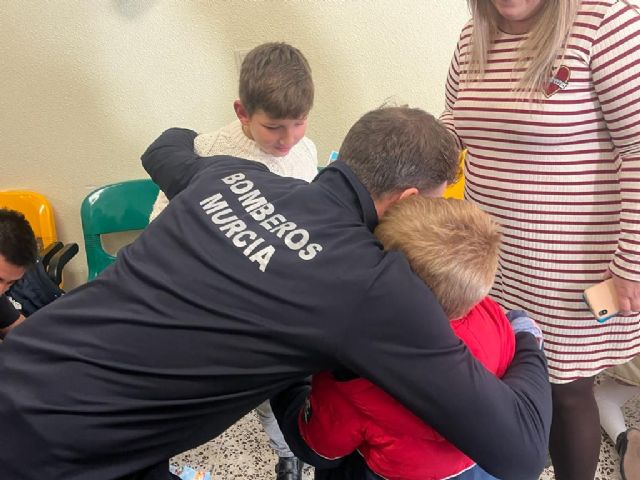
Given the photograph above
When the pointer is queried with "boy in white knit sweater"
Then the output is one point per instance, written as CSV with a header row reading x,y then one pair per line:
x,y
276,95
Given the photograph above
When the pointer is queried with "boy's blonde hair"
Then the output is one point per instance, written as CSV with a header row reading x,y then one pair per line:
x,y
451,245
276,78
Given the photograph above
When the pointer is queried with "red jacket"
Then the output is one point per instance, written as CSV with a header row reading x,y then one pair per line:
x,y
344,416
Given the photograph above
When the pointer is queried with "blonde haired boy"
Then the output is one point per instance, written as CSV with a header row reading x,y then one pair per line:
x,y
450,244
275,96
453,246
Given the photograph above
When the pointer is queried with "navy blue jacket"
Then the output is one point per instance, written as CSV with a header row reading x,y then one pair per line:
x,y
8,313
247,282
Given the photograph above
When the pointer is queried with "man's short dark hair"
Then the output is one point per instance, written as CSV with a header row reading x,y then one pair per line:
x,y
394,148
17,242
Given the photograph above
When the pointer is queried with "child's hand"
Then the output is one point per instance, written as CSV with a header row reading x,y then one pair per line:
x,y
520,322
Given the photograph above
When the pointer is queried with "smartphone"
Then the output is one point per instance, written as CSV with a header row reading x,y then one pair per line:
x,y
602,300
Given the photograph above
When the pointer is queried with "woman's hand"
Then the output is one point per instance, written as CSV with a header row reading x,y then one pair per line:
x,y
628,293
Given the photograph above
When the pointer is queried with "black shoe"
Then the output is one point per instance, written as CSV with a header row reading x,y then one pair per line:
x,y
289,468
622,443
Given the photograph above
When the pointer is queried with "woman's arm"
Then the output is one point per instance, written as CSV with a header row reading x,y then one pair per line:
x,y
451,94
615,69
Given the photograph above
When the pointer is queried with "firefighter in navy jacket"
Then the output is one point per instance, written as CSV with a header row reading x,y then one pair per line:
x,y
246,283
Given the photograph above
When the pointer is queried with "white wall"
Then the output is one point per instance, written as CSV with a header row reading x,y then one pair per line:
x,y
86,85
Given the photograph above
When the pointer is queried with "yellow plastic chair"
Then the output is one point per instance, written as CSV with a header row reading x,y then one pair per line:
x,y
457,189
36,209
119,207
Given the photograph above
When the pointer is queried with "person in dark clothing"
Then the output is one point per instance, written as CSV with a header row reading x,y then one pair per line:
x,y
275,280
18,252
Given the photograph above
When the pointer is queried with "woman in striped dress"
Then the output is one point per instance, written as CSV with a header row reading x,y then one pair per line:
x,y
545,95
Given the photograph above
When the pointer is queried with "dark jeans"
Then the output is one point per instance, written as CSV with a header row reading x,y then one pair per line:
x,y
474,473
351,468
354,468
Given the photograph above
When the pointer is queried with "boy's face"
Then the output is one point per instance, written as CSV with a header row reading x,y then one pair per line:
x,y
9,274
274,136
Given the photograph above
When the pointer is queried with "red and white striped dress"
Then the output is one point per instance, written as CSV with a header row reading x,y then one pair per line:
x,y
562,178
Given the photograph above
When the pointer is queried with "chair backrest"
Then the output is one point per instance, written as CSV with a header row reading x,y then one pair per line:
x,y
36,209
457,189
118,207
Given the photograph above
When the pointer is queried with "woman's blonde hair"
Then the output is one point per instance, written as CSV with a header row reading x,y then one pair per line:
x,y
537,54
452,245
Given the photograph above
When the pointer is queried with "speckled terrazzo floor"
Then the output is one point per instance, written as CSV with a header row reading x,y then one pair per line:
x,y
242,453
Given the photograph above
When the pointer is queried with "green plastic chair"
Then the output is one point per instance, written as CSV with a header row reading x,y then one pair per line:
x,y
119,207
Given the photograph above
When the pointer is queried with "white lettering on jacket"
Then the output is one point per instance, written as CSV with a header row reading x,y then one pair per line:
x,y
261,210
236,230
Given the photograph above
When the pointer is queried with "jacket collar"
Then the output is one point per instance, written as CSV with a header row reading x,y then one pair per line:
x,y
341,180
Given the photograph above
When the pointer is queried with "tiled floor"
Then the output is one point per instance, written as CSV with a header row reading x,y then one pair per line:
x,y
242,453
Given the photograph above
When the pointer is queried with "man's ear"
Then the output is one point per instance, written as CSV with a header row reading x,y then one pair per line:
x,y
241,112
383,203
408,193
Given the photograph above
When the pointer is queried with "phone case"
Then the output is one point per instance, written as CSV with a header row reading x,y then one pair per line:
x,y
602,300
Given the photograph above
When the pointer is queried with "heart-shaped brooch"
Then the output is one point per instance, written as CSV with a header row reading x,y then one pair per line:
x,y
559,81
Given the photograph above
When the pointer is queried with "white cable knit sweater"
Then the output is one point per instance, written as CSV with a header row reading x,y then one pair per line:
x,y
301,162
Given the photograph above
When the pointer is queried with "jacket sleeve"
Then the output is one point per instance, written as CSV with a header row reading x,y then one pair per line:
x,y
407,347
171,162
8,314
329,423
287,407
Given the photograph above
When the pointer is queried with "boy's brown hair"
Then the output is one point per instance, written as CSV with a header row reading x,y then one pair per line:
x,y
452,245
276,78
394,148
